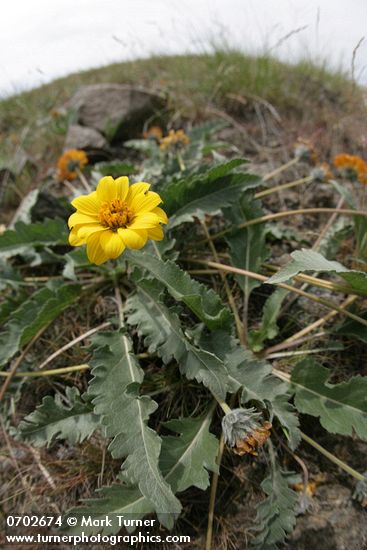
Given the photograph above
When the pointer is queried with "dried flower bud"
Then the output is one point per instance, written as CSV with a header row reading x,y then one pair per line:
x,y
238,424
360,492
243,432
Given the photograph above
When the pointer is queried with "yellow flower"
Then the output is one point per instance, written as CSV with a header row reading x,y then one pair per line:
x,y
69,162
322,172
352,167
116,216
175,138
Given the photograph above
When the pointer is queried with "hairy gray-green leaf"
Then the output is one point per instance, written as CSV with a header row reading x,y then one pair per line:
x,y
247,246
23,236
308,260
276,515
202,301
163,333
342,408
254,378
52,420
268,327
206,192
184,462
114,390
42,307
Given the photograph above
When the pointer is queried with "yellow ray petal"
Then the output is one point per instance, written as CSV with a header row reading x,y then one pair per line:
x,y
87,204
107,189
135,189
112,244
95,252
122,185
133,239
144,221
145,202
161,214
74,238
156,233
81,219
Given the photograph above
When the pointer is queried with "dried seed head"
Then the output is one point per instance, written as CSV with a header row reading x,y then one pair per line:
x,y
360,492
238,424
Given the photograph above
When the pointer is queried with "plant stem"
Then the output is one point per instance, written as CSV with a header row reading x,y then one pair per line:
x,y
351,471
282,186
281,168
213,493
299,352
239,326
286,214
264,279
83,179
51,372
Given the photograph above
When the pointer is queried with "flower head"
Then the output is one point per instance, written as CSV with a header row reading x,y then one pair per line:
x,y
116,216
360,492
175,138
154,132
305,150
351,167
243,432
321,172
69,162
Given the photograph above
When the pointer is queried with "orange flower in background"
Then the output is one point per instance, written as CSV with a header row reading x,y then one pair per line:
x,y
154,132
305,150
69,162
115,216
351,167
175,138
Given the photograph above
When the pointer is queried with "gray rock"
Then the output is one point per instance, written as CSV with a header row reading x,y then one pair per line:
x,y
81,137
118,111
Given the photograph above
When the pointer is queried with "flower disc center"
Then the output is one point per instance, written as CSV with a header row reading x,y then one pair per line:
x,y
115,214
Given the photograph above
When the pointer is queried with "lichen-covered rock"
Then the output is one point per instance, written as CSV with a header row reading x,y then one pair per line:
x,y
118,111
82,137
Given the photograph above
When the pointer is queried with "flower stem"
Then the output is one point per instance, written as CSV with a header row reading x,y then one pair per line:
x,y
264,279
83,179
51,372
213,493
286,214
282,186
281,168
351,471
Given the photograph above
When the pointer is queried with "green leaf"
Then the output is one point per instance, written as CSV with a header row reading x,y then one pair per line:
x,y
268,328
342,408
206,192
19,240
52,420
184,461
276,516
163,333
42,307
309,260
114,390
254,378
113,168
247,246
202,301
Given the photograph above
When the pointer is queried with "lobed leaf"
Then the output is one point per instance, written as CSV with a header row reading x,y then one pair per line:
x,y
114,390
202,301
163,333
184,461
309,260
18,240
42,307
52,420
342,408
276,515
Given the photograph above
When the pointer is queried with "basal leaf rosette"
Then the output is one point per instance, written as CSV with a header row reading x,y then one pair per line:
x,y
115,216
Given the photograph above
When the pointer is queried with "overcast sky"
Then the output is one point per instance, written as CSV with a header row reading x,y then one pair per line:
x,y
44,39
